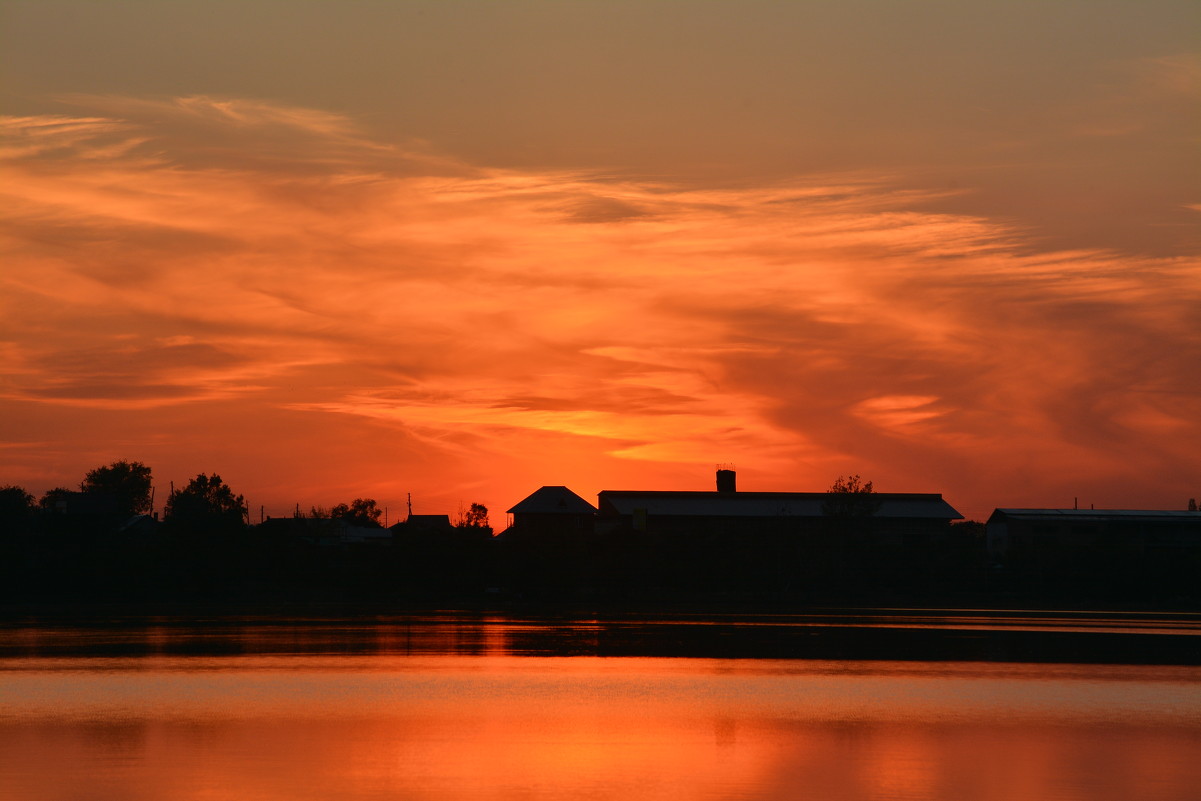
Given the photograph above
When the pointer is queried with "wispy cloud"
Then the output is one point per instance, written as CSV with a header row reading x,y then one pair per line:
x,y
263,260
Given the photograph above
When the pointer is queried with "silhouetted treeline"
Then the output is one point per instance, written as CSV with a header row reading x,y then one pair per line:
x,y
98,544
85,558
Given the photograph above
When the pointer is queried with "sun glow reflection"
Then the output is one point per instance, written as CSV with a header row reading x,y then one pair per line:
x,y
572,727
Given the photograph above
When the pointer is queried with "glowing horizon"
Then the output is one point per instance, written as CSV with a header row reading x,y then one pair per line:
x,y
319,307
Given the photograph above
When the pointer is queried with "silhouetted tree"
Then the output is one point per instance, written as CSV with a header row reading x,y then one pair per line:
x,y
128,483
360,512
850,497
206,502
474,517
49,501
16,509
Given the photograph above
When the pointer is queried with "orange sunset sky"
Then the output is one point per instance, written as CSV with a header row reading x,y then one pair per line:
x,y
464,249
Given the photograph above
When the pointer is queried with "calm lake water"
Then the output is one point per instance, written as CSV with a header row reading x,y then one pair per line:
x,y
448,706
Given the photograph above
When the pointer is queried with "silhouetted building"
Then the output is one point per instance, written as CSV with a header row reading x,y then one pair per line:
x,y
424,524
553,510
1048,536
93,504
429,522
323,531
695,512
900,518
365,535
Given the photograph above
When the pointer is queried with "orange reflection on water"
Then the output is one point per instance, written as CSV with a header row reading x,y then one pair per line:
x,y
280,727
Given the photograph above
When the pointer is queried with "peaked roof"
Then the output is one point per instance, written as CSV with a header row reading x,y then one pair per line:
x,y
767,504
553,501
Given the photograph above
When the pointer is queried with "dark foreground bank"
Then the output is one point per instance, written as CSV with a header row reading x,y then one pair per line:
x,y
844,634
86,564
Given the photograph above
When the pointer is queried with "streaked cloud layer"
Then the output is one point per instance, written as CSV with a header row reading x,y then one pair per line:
x,y
996,299
257,261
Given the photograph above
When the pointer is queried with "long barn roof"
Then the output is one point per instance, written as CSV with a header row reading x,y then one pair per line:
x,y
1087,515
766,504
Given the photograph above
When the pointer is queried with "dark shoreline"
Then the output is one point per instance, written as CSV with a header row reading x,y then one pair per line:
x,y
869,634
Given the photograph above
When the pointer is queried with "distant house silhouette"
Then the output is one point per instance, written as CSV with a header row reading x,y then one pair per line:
x,y
1047,536
424,524
894,513
308,530
748,544
323,531
663,511
94,504
552,510
365,535
556,509
1098,555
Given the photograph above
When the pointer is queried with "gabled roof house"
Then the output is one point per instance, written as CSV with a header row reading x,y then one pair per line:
x,y
553,509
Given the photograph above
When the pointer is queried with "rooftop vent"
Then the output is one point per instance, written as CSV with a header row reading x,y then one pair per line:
x,y
725,480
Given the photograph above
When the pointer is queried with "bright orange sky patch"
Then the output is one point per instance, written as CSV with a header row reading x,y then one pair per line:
x,y
319,304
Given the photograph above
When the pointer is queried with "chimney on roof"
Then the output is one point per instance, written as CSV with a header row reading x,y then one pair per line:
x,y
725,480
